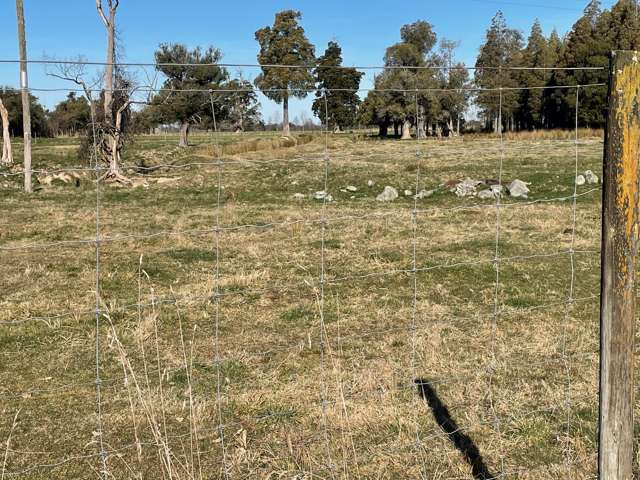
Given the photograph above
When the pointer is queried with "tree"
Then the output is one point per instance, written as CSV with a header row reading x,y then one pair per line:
x,y
500,52
109,21
404,108
536,54
241,105
586,46
190,76
13,103
451,104
70,116
285,43
340,88
7,156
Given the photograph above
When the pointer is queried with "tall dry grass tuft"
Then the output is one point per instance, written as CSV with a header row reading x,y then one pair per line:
x,y
555,134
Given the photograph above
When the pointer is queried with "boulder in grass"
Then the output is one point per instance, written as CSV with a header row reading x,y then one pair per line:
x,y
519,189
422,194
591,178
351,188
580,180
370,183
389,194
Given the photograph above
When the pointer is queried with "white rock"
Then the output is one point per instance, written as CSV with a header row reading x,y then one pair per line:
x,y
389,194
580,180
486,195
408,193
370,183
322,195
467,188
591,177
422,194
351,188
519,189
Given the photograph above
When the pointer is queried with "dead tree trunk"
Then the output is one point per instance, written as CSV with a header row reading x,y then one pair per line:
x,y
7,156
109,21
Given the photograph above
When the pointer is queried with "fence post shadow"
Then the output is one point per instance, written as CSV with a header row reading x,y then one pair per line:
x,y
460,440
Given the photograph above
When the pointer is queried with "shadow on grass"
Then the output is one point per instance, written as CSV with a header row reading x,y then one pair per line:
x,y
459,439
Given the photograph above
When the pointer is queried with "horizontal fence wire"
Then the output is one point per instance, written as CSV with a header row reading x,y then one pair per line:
x,y
310,90
293,66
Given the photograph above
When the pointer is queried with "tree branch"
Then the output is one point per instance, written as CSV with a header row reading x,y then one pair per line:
x,y
101,13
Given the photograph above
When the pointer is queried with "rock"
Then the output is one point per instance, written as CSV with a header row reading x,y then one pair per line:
x,y
519,189
422,194
467,188
408,193
343,190
580,180
139,182
370,183
299,196
497,190
591,177
351,188
322,195
389,194
295,182
486,195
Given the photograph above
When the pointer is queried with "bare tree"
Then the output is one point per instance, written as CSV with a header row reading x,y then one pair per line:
x,y
7,156
109,20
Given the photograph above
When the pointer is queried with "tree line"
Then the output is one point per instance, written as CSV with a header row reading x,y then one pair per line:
x,y
422,89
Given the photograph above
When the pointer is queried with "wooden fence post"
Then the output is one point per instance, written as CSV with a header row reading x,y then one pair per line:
x,y
619,251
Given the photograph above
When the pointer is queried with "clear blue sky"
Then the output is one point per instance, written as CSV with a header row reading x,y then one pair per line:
x,y
363,28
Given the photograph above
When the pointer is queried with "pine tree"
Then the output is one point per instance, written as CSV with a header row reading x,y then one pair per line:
x,y
340,86
285,43
500,52
537,54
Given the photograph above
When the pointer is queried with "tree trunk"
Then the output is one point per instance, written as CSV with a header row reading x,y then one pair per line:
x,y
458,125
286,130
383,130
108,70
184,134
396,128
406,130
420,124
7,156
495,124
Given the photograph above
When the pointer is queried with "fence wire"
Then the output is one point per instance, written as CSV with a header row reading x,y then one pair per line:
x,y
218,440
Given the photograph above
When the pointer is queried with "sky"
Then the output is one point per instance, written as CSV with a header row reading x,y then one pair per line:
x,y
364,29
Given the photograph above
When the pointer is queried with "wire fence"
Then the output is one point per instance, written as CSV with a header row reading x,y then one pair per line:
x,y
328,338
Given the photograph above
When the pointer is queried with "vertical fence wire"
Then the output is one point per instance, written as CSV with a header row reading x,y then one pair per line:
x,y
216,295
104,473
414,275
321,300
496,298
570,298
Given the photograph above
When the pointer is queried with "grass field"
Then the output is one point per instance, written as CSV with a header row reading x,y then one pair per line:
x,y
309,380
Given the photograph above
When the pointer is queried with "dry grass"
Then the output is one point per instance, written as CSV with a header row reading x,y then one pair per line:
x,y
305,388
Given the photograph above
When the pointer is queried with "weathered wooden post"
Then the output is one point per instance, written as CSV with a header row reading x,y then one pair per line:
x,y
26,100
619,251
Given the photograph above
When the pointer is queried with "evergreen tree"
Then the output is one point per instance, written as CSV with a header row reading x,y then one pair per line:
x,y
586,46
173,103
537,54
413,51
340,86
285,43
500,52
70,116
